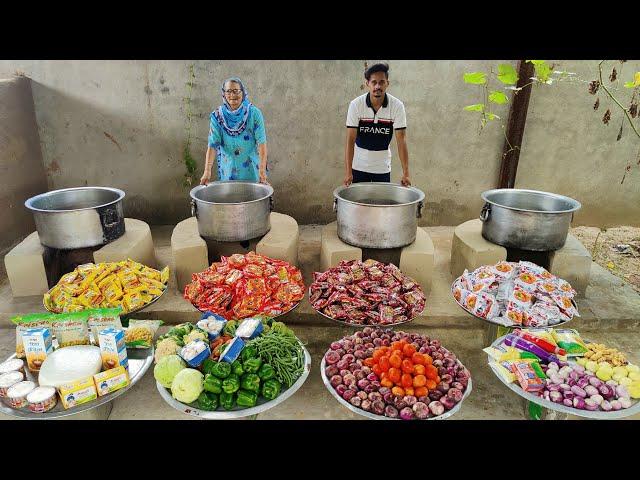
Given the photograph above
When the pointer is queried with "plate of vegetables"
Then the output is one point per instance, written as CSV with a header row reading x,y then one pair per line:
x,y
553,369
247,368
383,375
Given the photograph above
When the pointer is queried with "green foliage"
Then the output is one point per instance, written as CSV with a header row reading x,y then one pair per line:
x,y
476,78
507,74
543,70
498,97
477,107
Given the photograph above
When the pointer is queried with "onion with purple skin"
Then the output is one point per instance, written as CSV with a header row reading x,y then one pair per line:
x,y
578,391
366,370
355,401
366,405
421,410
436,408
423,350
375,396
546,395
622,392
362,395
597,398
349,380
343,364
437,356
606,406
341,389
347,344
556,397
331,357
359,334
437,363
377,342
349,394
399,402
362,383
340,352
344,372
616,405
442,372
578,402
435,395
443,387
459,386
369,345
377,407
582,382
448,402
568,394
579,369
435,343
410,400
375,335
463,375
606,391
376,385
564,387
370,388
575,376
448,363
360,354
552,387
446,378
407,413
349,357
388,398
335,346
357,342
557,379
595,381
564,372
386,342
567,402
455,394
591,390
331,370
335,381
367,330
571,382
372,377
426,400
354,367
359,362
384,390
625,402
590,405
390,411
611,383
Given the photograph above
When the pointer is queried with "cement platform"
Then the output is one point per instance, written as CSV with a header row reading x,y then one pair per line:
x,y
610,314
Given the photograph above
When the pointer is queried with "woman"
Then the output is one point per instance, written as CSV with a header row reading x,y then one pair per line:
x,y
237,137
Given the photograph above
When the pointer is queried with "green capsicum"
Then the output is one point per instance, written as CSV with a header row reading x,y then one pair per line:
x,y
246,398
230,328
231,384
252,365
227,400
249,351
236,367
212,383
207,365
251,382
266,372
271,389
221,369
207,401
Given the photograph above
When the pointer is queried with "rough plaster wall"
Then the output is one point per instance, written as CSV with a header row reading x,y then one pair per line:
x,y
568,150
21,172
123,124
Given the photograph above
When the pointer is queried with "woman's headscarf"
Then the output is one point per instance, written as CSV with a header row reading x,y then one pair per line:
x,y
233,122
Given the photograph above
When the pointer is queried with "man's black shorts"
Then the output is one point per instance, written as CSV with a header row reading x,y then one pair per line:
x,y
359,176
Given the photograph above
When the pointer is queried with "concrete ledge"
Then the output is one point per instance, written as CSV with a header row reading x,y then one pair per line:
x,y
281,242
136,244
189,251
333,250
417,259
572,263
25,268
469,249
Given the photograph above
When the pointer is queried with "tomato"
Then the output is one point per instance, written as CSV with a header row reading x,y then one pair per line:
x,y
369,362
421,392
428,359
438,379
385,382
418,369
394,375
396,346
408,350
407,366
377,354
384,363
377,370
395,361
409,391
398,391
418,358
419,381
407,380
431,372
431,384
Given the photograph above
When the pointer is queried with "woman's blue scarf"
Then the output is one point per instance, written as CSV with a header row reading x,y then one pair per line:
x,y
233,122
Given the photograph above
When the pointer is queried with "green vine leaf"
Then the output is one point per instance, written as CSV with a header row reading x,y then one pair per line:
x,y
635,83
543,70
476,78
478,107
498,97
491,116
507,74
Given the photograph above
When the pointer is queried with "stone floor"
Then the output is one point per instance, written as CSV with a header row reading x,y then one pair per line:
x,y
610,314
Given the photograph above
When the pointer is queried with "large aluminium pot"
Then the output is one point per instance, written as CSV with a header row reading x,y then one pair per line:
x,y
78,217
527,219
377,215
232,211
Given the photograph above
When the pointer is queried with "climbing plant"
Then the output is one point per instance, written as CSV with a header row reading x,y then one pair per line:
x,y
189,162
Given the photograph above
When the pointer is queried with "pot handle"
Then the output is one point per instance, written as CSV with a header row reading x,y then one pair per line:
x,y
110,218
419,211
485,212
194,208
335,204
271,203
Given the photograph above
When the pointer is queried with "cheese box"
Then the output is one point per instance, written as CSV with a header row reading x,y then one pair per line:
x,y
111,380
78,392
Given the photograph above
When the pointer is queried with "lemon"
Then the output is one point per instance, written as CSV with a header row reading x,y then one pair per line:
x,y
626,381
634,376
633,368
591,366
604,374
620,371
634,389
581,361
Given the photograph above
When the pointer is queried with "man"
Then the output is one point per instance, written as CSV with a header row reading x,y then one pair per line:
x,y
371,121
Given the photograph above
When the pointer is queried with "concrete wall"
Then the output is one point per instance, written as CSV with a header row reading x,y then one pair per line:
x,y
21,171
124,124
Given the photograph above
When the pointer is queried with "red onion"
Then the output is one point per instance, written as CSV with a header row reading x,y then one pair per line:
x,y
378,407
582,382
591,390
448,402
348,394
597,398
331,370
386,343
349,379
578,391
446,378
370,388
456,394
388,397
568,394
367,330
410,400
366,370
372,377
606,406
406,413
578,402
423,349
360,354
595,381
344,372
435,343
349,357
335,380
552,387
421,410
606,391
555,397
564,386
363,382
399,402
590,405
366,405
435,395
616,405
384,390
331,357
425,399
341,389
355,401
436,408
377,342
354,367
390,411
373,396
336,345
362,395
443,387
567,402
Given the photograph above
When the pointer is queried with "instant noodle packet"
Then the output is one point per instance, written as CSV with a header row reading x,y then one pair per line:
x,y
570,340
71,329
141,332
25,322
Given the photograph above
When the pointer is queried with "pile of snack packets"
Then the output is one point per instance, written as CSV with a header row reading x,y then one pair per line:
x,y
511,293
366,293
127,285
241,286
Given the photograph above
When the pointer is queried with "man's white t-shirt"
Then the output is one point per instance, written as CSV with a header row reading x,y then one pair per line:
x,y
375,129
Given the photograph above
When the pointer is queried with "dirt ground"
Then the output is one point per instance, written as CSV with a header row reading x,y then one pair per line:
x,y
621,261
